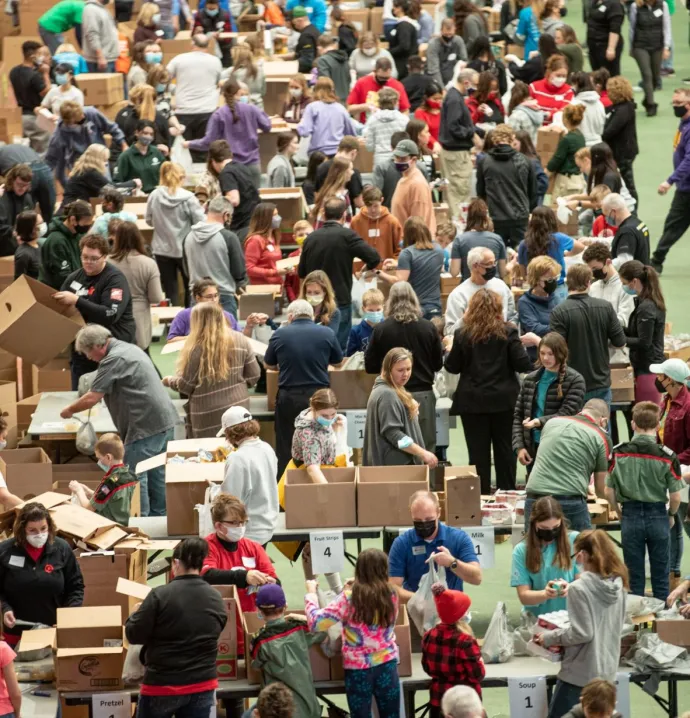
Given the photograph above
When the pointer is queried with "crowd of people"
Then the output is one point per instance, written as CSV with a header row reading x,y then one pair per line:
x,y
514,300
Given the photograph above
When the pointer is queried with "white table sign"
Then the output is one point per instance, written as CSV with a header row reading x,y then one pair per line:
x,y
623,694
327,551
482,538
356,420
111,705
527,697
517,535
442,427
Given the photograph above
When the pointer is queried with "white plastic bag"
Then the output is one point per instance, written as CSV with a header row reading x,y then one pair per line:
x,y
181,156
85,440
498,642
422,607
205,520
133,670
341,447
563,211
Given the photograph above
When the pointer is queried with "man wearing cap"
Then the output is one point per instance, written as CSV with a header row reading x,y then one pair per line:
x,y
412,196
674,432
315,10
250,473
363,98
305,52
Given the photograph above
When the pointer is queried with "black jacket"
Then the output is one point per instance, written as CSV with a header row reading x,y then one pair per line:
x,y
506,180
602,22
456,129
620,131
305,51
87,185
632,237
178,625
496,68
488,381
420,337
569,404
588,325
645,335
33,591
347,38
10,206
415,86
403,44
649,27
332,249
530,72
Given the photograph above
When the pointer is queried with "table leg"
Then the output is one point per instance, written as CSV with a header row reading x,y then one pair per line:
x,y
673,697
409,695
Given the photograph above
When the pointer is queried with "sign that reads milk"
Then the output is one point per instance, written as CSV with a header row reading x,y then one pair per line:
x,y
111,705
527,697
327,551
482,538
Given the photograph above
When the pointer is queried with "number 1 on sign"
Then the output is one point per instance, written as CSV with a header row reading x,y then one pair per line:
x,y
527,697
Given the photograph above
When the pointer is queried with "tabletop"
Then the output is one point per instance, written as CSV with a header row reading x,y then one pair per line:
x,y
46,419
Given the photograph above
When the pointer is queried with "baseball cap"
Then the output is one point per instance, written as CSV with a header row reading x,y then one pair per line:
x,y
405,148
233,416
270,595
675,369
299,11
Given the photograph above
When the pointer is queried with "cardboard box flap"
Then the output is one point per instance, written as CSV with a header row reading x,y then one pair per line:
x,y
80,522
194,473
274,289
132,588
107,538
92,651
89,617
36,639
153,463
50,499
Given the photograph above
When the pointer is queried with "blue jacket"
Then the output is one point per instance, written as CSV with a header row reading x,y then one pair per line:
x,y
359,338
533,314
67,145
316,10
542,180
681,159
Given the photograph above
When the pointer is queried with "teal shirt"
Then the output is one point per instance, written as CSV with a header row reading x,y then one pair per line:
x,y
547,378
63,16
520,576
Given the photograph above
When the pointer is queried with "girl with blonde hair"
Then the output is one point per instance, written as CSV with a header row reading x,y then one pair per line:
x,y
245,70
335,185
147,23
318,291
143,107
215,367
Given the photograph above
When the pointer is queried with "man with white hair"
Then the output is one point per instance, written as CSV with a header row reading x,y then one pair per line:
x,y
138,403
301,352
631,240
482,264
462,702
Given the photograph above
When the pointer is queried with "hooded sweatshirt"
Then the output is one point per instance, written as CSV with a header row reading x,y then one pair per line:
x,y
596,608
384,233
100,33
506,180
334,64
60,255
595,116
527,117
172,218
380,127
212,251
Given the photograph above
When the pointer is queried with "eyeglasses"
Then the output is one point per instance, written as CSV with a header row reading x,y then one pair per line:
x,y
210,297
234,524
91,259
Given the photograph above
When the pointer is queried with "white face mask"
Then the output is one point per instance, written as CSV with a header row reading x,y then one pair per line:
x,y
234,534
558,81
295,92
315,299
3,445
38,540
42,229
369,52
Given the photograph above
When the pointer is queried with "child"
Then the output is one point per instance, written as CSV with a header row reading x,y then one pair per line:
x,y
27,258
568,179
600,78
10,692
643,476
445,235
450,652
7,499
275,701
367,612
113,496
377,226
600,226
598,700
372,314
523,144
281,650
300,231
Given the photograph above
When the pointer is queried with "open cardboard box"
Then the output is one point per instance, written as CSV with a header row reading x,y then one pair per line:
x,y
290,201
54,376
351,386
263,302
463,503
28,472
228,649
86,527
674,631
89,626
25,411
320,506
598,511
89,668
383,493
102,88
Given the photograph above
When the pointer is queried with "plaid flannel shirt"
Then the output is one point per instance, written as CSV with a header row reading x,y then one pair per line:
x,y
451,658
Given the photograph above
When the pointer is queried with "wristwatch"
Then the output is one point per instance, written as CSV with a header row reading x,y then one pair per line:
x,y
454,565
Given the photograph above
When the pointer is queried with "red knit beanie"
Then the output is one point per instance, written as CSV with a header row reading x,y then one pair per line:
x,y
452,606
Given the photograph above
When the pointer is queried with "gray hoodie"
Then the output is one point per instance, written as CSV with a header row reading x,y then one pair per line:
x,y
334,64
100,32
527,118
172,218
212,251
388,421
550,24
380,127
595,116
596,608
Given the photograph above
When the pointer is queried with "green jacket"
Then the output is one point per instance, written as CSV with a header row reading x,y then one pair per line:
x,y
642,470
63,16
133,165
113,497
60,254
281,651
563,160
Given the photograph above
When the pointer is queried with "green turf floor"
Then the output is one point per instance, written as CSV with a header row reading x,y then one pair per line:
x,y
653,165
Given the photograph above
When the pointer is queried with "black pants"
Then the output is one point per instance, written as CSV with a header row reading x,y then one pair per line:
x,y
482,431
427,417
195,129
123,11
650,69
169,267
675,226
43,189
597,57
511,231
626,169
289,404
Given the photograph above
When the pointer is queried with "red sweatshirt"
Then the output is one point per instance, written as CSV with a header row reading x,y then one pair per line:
x,y
549,98
261,256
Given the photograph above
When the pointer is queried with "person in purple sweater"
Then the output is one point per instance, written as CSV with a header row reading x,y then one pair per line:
x,y
238,123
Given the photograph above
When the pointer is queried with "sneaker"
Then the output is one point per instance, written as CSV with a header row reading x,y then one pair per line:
x,y
638,88
656,265
686,80
668,72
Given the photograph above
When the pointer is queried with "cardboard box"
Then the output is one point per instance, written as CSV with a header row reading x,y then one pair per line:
x,y
8,368
462,488
85,627
54,376
25,411
352,387
376,21
86,669
290,201
28,472
547,142
598,511
251,303
228,650
8,402
623,384
448,283
33,325
674,631
87,527
383,493
10,119
102,88
320,506
85,473
572,226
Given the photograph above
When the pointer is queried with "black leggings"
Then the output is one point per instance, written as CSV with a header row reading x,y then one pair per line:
x,y
169,268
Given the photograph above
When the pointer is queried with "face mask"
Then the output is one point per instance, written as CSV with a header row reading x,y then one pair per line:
x,y
73,129
447,38
471,90
550,286
61,79
402,166
275,221
548,535
381,80
299,241
38,540
434,104
160,89
42,229
369,52
37,61
659,386
3,445
104,2
144,140
244,99
326,423
490,273
153,58
557,81
425,529
156,18
680,111
599,274
212,13
630,291
295,92
235,533
611,220
373,317
315,299
103,466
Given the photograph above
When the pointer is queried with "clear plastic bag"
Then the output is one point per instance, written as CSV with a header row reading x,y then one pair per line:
x,y
181,156
422,607
85,440
498,642
133,670
205,520
522,635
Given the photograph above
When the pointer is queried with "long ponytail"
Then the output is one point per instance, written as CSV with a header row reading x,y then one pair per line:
x,y
230,90
143,98
651,287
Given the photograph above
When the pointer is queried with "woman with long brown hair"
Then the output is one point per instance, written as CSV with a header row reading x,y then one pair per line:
x,y
644,334
335,185
487,353
469,21
596,608
215,367
262,245
246,71
318,291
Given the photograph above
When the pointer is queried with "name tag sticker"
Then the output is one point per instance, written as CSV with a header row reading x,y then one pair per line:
x,y
452,57
394,33
374,232
602,8
75,285
658,13
270,247
248,561
418,550
17,561
310,10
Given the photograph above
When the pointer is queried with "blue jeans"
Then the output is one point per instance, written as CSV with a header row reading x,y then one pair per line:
x,y
93,67
574,510
52,40
345,325
43,189
152,482
646,525
229,303
604,394
194,705
677,538
380,683
565,697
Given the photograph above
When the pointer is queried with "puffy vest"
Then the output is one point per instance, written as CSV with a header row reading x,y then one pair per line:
x,y
649,29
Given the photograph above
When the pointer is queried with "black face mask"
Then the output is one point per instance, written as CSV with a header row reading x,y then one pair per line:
x,y
490,273
425,529
549,535
599,274
381,81
550,286
659,386
680,111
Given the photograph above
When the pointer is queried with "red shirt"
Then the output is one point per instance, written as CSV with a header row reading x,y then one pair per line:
x,y
549,98
605,100
477,115
600,225
366,89
261,257
433,121
676,424
249,555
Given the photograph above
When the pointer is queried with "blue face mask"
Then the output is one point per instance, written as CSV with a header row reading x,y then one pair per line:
x,y
153,58
611,220
212,13
103,466
244,99
61,79
323,421
160,89
373,317
629,290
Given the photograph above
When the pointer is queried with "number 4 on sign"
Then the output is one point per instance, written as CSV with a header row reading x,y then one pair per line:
x,y
527,697
327,551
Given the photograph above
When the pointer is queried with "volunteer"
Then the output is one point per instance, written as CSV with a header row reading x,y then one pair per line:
x,y
205,290
39,573
318,291
178,625
596,609
250,473
542,561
